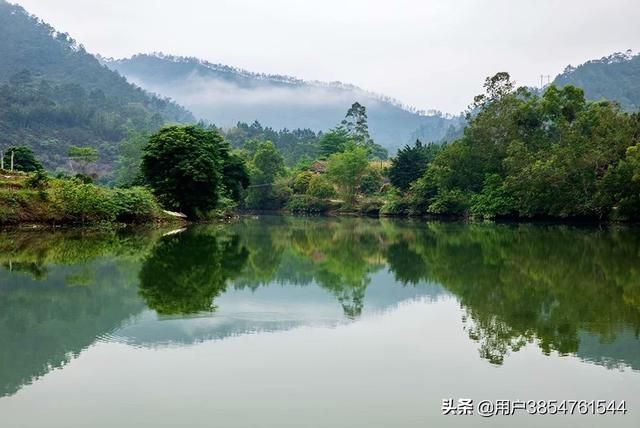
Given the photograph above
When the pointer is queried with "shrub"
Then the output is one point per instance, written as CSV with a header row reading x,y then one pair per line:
x,y
395,204
134,205
38,180
320,187
301,182
494,199
269,197
308,204
455,202
83,203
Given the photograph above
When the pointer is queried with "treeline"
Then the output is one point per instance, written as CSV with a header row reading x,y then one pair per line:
x,y
522,155
530,156
194,169
295,145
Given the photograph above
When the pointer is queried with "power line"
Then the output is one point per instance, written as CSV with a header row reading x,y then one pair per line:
x,y
542,79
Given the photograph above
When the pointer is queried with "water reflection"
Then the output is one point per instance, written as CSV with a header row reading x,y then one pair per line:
x,y
185,272
566,290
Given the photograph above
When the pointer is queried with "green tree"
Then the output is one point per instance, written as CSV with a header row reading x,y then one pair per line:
x,y
356,126
529,155
410,164
301,181
184,167
320,187
268,163
23,159
371,182
346,170
333,141
266,167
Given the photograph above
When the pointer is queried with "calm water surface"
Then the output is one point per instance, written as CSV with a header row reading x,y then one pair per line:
x,y
316,322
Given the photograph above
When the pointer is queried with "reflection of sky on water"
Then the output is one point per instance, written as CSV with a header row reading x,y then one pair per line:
x,y
268,308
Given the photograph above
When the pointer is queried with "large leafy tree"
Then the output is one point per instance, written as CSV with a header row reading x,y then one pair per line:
x,y
268,163
184,166
410,164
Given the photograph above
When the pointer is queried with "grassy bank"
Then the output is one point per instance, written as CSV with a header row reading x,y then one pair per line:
x,y
38,199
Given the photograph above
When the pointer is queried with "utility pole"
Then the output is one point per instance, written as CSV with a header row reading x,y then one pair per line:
x,y
12,153
1,160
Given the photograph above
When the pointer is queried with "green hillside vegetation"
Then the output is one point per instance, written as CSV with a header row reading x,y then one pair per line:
x,y
524,155
38,199
53,94
615,77
528,156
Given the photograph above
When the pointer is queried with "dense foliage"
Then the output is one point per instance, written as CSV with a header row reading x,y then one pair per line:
x,y
35,198
410,164
346,170
185,166
294,145
522,154
554,155
20,158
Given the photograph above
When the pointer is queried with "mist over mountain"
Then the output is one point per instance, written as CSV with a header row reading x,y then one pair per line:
x,y
54,94
615,77
225,95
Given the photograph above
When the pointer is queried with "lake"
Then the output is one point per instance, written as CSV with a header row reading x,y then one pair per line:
x,y
319,322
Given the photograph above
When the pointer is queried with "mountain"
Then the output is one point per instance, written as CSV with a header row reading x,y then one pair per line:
x,y
54,94
615,77
225,95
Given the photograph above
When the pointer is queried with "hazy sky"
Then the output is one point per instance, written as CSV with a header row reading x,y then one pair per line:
x,y
426,53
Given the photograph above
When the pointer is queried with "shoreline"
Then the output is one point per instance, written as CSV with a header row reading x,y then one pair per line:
x,y
237,215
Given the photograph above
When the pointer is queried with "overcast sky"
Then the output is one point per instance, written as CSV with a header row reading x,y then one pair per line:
x,y
427,53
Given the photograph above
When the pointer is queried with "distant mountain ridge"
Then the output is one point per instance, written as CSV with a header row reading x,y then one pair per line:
x,y
226,95
615,77
54,94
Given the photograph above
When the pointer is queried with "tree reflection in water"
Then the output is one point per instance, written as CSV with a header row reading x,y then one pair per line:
x,y
566,289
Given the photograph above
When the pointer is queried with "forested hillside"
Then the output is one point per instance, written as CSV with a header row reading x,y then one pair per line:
x,y
616,77
225,95
53,94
